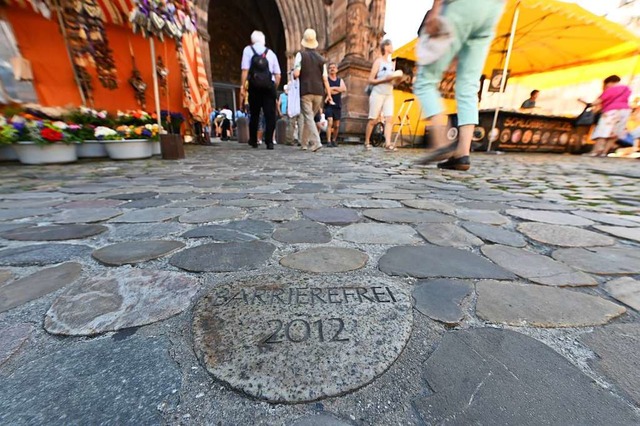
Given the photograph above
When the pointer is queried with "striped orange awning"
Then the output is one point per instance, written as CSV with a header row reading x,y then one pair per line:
x,y
199,102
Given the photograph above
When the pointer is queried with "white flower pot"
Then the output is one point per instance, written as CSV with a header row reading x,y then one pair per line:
x,y
91,149
7,153
131,149
157,150
52,153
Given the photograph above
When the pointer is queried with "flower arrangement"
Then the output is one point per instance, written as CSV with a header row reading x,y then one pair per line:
x,y
103,133
8,134
135,118
172,121
88,117
148,131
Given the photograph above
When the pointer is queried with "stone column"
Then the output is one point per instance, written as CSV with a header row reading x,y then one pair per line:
x,y
355,69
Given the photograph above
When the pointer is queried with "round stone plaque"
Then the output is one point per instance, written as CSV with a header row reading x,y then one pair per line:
x,y
300,338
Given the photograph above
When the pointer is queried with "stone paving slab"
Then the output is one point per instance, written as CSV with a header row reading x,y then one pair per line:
x,y
407,215
552,217
54,232
448,235
333,334
119,299
604,260
441,300
487,217
632,234
12,339
326,260
616,347
42,254
90,204
429,261
36,285
379,233
371,204
132,252
302,231
426,204
625,290
85,215
132,196
223,257
157,214
495,234
481,377
10,214
564,236
537,268
524,305
70,384
333,216
609,219
5,276
212,214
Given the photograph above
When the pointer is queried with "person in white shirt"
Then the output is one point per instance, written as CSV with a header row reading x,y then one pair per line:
x,y
261,70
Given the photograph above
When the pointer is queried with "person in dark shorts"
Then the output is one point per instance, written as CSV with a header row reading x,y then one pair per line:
x,y
333,110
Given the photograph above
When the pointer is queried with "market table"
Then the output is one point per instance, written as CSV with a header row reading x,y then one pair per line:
x,y
518,131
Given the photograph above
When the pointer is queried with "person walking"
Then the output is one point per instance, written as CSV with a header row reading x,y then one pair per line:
x,y
261,71
462,29
381,80
613,103
333,110
311,69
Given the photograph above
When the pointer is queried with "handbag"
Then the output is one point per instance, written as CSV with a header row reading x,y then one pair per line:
x,y
429,49
588,117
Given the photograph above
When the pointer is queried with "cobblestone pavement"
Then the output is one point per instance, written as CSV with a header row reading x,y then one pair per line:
x,y
135,292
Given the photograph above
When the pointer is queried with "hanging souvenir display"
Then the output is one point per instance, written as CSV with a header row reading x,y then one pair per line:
x,y
78,48
83,21
136,81
158,18
99,44
163,74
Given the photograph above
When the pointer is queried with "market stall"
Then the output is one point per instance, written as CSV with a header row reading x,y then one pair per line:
x,y
532,37
112,78
525,132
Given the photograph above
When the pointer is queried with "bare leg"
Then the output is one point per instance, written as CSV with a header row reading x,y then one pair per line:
x,y
609,145
438,129
367,135
329,129
465,137
598,147
388,128
336,129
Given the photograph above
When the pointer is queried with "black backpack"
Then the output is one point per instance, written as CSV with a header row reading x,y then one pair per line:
x,y
259,72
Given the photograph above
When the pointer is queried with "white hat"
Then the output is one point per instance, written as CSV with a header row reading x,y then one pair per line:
x,y
286,87
309,39
257,37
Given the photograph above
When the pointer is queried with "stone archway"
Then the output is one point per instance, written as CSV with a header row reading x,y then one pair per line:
x,y
348,33
230,24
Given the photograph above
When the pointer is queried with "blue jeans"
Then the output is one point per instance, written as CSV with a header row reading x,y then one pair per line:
x,y
473,23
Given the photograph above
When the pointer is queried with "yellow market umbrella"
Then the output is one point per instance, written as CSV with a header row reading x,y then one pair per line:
x,y
551,35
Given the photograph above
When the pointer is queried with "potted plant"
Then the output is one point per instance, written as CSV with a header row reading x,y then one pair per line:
x,y
45,142
8,136
125,142
88,146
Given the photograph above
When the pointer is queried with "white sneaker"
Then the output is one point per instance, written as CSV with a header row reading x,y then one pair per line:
x,y
316,147
304,148
275,143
